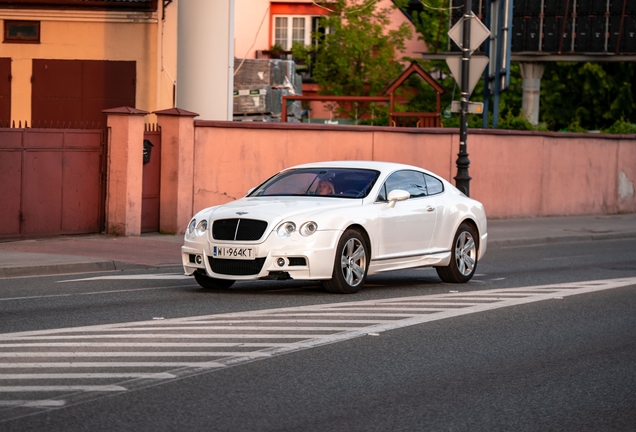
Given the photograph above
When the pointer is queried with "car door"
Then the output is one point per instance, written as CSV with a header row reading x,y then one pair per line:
x,y
407,228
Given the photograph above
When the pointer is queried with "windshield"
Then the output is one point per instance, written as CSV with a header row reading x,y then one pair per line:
x,y
332,182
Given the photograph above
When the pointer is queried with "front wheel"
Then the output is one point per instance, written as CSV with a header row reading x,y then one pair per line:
x,y
212,283
351,264
463,257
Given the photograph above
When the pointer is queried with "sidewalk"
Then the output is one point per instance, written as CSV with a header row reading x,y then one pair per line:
x,y
92,253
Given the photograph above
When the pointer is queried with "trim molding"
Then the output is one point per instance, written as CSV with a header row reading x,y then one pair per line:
x,y
80,16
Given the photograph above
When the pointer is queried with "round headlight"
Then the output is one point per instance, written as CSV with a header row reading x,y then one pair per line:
x,y
201,227
308,228
285,229
193,223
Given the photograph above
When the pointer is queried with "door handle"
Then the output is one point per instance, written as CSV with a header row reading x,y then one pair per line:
x,y
430,209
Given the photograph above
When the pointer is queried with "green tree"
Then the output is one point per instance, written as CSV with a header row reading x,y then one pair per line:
x,y
591,95
357,55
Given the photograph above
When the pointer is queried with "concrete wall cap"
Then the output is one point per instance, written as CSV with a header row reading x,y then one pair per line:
x,y
125,110
176,112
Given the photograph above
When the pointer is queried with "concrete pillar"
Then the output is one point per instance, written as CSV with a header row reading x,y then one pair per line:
x,y
177,169
125,170
531,73
205,57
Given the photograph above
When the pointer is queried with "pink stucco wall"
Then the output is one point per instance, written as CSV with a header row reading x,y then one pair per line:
x,y
513,173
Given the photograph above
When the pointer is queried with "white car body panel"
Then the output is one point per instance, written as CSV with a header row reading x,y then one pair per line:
x,y
412,233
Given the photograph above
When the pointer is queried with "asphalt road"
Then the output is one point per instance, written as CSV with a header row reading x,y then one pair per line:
x,y
509,351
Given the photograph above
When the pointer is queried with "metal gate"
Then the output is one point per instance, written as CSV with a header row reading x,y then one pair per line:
x,y
52,182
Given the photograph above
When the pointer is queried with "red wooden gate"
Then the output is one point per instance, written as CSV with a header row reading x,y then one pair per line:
x,y
66,91
151,180
52,182
5,89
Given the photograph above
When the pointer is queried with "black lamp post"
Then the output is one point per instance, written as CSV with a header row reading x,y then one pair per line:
x,y
462,179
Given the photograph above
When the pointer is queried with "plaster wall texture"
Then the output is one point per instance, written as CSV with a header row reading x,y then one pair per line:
x,y
513,174
125,175
90,35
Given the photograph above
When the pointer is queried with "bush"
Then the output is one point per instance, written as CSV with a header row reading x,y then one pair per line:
x,y
621,127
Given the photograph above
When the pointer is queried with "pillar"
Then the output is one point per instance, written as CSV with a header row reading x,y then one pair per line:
x,y
124,179
177,169
531,73
205,57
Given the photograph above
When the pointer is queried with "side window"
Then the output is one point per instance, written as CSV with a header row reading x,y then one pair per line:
x,y
433,186
410,181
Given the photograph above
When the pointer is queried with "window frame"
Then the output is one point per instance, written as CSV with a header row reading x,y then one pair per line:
x,y
290,29
16,39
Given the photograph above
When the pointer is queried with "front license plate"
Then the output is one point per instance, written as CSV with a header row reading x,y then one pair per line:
x,y
235,252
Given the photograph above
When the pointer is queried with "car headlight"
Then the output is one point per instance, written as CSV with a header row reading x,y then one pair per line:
x,y
201,228
285,229
308,228
193,224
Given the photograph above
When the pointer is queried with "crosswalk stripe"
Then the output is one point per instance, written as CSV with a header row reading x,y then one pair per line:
x,y
140,344
179,336
54,388
45,403
132,354
31,376
73,365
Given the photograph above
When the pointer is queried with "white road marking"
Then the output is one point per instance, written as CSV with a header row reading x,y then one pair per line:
x,y
132,354
45,403
181,336
88,388
108,365
331,323
240,327
89,293
161,276
30,376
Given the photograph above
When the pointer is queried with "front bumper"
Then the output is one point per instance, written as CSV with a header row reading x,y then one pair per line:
x,y
317,250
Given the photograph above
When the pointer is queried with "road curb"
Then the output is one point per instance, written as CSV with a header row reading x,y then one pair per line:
x,y
75,268
520,242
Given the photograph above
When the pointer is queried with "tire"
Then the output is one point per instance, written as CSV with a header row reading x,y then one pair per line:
x,y
212,283
351,264
463,256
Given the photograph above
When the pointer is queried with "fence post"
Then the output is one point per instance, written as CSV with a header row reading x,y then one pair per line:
x,y
124,171
177,169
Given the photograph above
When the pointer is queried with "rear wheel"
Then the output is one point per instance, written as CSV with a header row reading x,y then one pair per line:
x,y
351,264
212,283
463,257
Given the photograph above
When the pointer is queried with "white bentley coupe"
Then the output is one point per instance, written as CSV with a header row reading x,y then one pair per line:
x,y
338,222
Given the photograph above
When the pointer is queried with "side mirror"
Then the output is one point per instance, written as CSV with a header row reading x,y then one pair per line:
x,y
398,195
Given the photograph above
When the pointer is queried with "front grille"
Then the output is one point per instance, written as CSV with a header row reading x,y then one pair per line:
x,y
238,229
236,267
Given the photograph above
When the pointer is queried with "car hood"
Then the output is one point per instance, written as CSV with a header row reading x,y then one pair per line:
x,y
276,209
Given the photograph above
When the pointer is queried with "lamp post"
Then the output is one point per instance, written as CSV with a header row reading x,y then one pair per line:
x,y
462,179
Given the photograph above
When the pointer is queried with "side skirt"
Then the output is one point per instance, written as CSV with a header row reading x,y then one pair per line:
x,y
441,258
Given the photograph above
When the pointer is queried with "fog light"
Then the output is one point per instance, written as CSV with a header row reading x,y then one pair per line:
x,y
198,259
280,262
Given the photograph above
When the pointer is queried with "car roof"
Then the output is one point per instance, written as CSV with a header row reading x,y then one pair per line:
x,y
375,165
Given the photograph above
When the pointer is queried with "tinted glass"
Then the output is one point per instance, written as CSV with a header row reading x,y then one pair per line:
x,y
410,181
433,185
332,182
